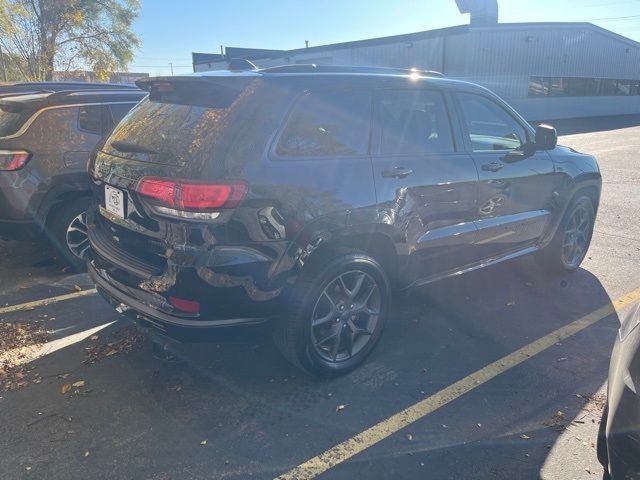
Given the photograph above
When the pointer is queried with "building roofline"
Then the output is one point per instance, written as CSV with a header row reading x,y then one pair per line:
x,y
457,29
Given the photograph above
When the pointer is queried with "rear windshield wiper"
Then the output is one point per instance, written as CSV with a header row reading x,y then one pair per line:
x,y
126,147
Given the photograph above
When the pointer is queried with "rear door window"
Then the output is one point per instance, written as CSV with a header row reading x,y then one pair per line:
x,y
90,119
328,124
413,122
490,127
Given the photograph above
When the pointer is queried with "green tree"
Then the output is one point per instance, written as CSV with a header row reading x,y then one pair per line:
x,y
43,35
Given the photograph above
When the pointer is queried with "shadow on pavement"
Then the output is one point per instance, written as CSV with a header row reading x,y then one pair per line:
x,y
233,406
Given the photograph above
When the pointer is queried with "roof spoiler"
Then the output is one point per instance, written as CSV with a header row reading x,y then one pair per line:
x,y
240,64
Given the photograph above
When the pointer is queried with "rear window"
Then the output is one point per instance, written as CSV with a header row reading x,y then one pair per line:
x,y
178,124
11,122
327,123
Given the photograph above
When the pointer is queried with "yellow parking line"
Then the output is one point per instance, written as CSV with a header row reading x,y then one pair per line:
x,y
347,449
46,301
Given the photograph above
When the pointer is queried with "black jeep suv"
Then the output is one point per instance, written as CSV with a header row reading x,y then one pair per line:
x,y
302,194
45,142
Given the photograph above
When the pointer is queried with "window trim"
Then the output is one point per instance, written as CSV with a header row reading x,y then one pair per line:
x,y
528,130
376,143
273,148
35,116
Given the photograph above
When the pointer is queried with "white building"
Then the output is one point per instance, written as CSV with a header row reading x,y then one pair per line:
x,y
545,70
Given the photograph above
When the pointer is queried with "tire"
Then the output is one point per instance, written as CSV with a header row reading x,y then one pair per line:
x,y
347,295
559,256
66,229
601,447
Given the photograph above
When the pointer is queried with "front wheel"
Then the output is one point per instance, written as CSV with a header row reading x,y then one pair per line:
x,y
569,246
336,314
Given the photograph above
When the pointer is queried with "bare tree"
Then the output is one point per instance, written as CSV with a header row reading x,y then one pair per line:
x,y
68,34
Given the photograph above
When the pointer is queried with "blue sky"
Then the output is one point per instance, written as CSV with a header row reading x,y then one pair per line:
x,y
170,30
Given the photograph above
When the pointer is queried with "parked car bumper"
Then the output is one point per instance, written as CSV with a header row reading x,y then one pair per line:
x,y
622,431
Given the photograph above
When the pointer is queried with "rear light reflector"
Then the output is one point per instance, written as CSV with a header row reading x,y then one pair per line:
x,y
185,195
186,306
11,160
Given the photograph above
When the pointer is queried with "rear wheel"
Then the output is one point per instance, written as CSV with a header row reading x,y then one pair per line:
x,y
336,314
68,230
569,246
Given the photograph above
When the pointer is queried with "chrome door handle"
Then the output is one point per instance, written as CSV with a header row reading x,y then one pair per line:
x,y
397,172
492,167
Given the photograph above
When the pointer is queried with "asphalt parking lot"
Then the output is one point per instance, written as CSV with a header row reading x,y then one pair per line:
x,y
233,408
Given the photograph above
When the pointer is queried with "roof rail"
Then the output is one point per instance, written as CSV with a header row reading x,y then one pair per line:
x,y
313,68
92,92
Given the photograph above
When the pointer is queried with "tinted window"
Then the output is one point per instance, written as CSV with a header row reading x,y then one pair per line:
x,y
114,114
10,122
489,125
580,87
328,124
413,121
90,119
119,110
183,123
538,87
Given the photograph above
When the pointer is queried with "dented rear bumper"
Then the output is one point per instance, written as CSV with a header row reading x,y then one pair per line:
x,y
154,308
231,284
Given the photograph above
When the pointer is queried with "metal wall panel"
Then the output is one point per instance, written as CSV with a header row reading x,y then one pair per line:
x,y
502,58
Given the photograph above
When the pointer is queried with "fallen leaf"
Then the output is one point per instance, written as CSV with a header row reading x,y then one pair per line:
x,y
203,442
65,388
78,384
339,408
93,337
525,437
111,352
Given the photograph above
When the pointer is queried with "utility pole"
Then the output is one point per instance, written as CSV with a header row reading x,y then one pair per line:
x,y
4,67
306,44
171,65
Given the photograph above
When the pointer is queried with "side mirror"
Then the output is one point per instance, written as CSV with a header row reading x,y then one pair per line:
x,y
546,137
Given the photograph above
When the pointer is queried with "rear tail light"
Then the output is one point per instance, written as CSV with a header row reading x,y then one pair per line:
x,y
187,306
190,199
11,160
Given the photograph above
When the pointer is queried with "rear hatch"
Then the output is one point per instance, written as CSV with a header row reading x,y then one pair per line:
x,y
162,172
